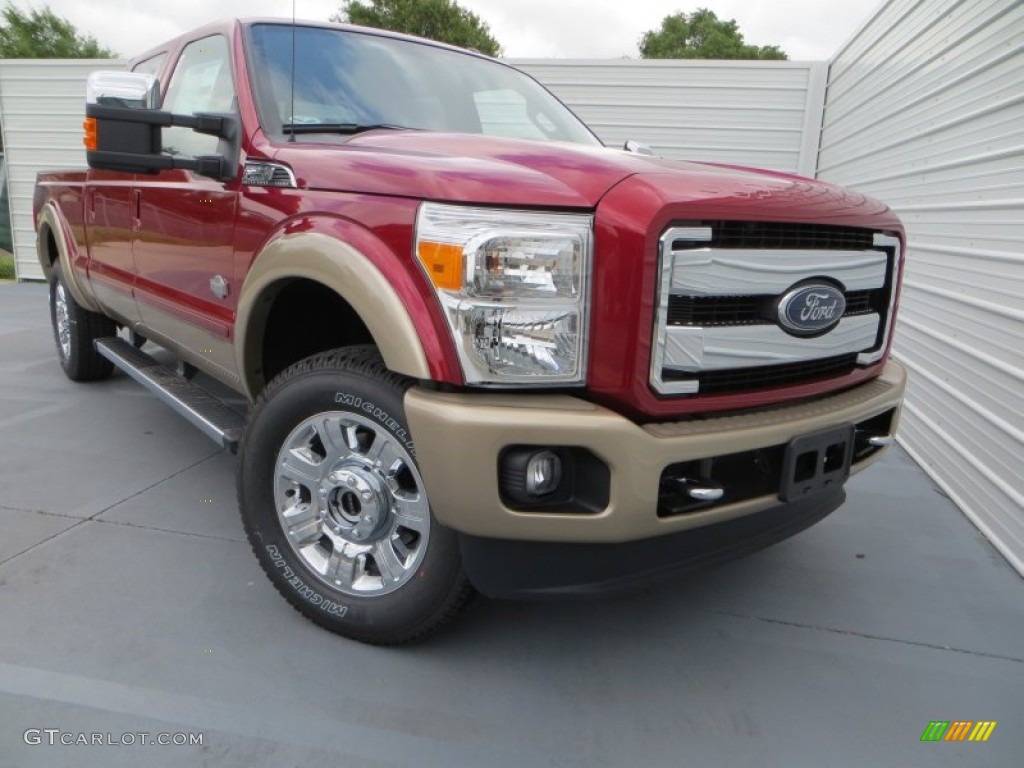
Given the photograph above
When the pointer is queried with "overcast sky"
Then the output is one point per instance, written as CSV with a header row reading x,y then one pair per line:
x,y
805,29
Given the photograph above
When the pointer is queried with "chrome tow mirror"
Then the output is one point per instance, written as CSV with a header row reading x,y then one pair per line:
x,y
132,90
123,129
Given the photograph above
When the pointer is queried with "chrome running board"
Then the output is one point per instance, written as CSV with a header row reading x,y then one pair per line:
x,y
213,418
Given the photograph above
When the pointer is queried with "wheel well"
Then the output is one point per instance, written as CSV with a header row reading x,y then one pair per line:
x,y
51,247
305,317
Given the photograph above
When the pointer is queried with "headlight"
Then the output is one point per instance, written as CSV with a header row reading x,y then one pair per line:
x,y
514,289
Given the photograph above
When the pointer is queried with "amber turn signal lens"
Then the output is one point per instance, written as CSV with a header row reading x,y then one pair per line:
x,y
443,263
90,133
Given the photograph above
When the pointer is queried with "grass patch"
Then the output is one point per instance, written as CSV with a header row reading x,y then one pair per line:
x,y
6,266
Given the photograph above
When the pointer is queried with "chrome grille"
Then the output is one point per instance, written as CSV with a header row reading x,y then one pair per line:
x,y
773,234
717,326
739,379
752,310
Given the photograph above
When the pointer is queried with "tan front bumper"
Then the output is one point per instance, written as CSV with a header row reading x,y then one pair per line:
x,y
458,438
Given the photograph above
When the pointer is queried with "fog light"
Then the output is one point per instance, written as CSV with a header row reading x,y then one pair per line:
x,y
543,473
553,479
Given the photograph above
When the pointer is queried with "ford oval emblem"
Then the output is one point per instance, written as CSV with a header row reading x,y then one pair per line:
x,y
810,309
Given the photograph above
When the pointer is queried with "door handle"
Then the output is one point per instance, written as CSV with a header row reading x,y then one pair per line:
x,y
136,209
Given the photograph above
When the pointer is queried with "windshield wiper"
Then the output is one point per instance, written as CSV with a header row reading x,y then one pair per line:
x,y
345,129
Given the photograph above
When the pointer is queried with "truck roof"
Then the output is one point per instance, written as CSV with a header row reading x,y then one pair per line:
x,y
227,27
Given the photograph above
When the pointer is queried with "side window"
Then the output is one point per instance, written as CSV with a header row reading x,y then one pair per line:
x,y
152,65
201,82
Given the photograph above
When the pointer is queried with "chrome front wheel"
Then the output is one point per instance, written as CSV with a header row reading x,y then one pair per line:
x,y
352,504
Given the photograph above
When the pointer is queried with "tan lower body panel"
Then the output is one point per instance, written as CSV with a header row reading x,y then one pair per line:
x,y
458,438
210,353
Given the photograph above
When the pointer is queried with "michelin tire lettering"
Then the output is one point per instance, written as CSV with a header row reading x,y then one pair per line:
x,y
370,409
304,591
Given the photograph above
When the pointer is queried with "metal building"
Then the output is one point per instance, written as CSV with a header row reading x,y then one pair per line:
x,y
42,105
925,110
764,114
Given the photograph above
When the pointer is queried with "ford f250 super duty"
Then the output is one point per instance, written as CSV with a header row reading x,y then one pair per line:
x,y
483,352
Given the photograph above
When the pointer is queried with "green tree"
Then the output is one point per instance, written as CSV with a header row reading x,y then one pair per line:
x,y
36,34
702,35
441,20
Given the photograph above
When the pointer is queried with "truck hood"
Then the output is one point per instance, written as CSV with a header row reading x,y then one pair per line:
x,y
459,168
499,171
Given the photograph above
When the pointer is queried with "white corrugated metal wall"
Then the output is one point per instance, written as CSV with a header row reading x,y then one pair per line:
x,y
42,104
925,110
759,113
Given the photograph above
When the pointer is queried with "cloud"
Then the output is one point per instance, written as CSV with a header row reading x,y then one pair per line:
x,y
806,29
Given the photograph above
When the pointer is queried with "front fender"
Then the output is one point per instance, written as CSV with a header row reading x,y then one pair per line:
x,y
361,269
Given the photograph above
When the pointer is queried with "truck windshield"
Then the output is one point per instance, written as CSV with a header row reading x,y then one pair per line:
x,y
346,81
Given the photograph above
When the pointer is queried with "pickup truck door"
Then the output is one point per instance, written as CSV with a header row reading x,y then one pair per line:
x,y
183,246
109,227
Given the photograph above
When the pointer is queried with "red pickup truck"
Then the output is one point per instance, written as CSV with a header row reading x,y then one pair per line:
x,y
483,352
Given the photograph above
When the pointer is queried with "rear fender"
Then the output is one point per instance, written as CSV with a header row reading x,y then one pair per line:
x,y
51,221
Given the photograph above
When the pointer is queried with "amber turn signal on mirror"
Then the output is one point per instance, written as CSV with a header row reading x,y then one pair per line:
x,y
90,140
